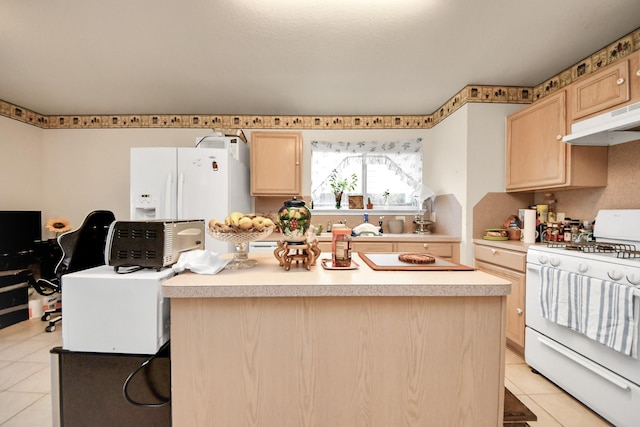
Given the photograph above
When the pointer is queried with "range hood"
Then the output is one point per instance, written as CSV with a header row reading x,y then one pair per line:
x,y
611,128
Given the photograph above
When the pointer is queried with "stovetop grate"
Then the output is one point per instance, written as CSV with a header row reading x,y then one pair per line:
x,y
623,250
629,254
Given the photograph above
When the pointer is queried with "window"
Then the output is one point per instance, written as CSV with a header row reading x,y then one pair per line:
x,y
389,173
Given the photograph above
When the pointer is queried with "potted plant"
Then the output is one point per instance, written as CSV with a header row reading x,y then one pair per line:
x,y
385,196
369,204
339,185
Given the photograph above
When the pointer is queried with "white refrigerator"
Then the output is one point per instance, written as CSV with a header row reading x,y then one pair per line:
x,y
206,182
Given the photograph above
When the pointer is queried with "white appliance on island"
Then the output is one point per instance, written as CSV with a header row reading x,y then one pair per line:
x,y
583,302
108,312
185,183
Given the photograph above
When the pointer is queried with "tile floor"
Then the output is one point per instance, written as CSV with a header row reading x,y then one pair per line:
x,y
25,383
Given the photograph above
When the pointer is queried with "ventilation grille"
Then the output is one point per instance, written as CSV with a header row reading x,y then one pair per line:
x,y
125,233
138,255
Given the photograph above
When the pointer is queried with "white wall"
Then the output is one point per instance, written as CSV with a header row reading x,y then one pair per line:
x,y
21,174
70,172
468,160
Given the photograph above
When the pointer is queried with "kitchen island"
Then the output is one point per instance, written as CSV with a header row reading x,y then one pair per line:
x,y
270,347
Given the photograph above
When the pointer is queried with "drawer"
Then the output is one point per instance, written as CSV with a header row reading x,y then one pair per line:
x,y
444,250
502,257
372,247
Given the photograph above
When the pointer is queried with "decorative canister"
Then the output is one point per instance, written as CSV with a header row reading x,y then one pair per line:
x,y
294,220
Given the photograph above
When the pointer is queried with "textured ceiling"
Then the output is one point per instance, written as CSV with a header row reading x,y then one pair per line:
x,y
278,57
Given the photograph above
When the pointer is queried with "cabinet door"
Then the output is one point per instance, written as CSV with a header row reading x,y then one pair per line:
x,y
634,76
276,163
536,155
602,90
515,301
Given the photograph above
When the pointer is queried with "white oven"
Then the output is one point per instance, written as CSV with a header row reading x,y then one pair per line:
x,y
583,303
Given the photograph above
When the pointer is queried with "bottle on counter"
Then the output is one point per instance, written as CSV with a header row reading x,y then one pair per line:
x,y
341,247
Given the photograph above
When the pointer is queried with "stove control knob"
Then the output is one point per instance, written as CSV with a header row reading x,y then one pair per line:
x,y
615,275
634,279
543,259
582,268
554,262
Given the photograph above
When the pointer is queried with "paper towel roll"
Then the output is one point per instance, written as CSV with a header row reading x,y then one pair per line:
x,y
529,235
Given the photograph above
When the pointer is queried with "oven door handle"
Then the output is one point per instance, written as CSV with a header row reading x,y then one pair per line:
x,y
593,367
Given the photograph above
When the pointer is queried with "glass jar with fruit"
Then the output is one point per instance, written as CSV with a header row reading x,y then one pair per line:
x,y
294,220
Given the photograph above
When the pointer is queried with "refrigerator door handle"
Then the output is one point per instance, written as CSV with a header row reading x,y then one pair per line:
x,y
167,197
180,193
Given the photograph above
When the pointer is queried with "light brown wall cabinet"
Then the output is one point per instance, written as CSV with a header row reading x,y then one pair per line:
x,y
276,163
610,88
607,88
511,266
536,157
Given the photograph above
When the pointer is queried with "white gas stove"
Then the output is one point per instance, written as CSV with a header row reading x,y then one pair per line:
x,y
583,304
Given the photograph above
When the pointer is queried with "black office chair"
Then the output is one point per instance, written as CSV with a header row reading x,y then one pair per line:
x,y
82,248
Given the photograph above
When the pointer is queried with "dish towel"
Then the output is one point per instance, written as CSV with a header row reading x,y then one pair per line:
x,y
604,311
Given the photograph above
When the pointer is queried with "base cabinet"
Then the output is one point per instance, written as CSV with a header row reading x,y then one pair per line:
x,y
511,266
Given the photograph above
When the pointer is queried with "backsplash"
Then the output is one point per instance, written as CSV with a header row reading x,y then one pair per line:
x,y
621,192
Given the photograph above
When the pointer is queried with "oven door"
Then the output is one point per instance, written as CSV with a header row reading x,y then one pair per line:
x,y
603,379
627,367
604,392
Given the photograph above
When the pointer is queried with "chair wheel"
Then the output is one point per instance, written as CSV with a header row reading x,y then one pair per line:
x,y
45,317
50,328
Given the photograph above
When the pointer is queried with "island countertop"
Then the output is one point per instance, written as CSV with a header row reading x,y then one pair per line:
x,y
266,346
268,279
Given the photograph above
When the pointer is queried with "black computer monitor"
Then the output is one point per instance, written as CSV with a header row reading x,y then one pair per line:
x,y
19,231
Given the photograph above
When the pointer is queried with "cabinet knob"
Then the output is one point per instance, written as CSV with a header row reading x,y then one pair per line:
x,y
558,137
493,251
638,73
425,245
519,310
620,81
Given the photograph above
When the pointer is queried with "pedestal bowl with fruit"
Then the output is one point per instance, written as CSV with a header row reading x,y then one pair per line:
x,y
240,229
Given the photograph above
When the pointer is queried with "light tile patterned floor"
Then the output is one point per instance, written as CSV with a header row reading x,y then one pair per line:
x,y
25,383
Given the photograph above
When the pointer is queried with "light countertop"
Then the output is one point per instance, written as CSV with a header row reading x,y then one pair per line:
x,y
385,237
268,279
